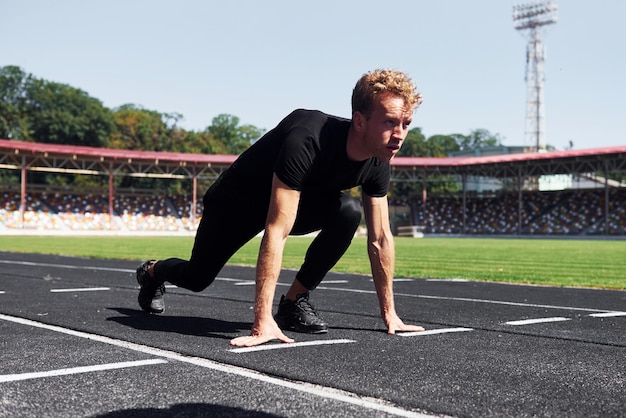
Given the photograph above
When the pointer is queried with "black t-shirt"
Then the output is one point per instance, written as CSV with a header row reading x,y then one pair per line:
x,y
307,151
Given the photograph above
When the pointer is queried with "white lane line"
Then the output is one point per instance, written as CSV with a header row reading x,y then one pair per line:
x,y
305,387
65,266
493,302
607,314
228,279
77,370
487,301
336,281
80,289
432,332
1,292
240,282
281,346
451,280
537,321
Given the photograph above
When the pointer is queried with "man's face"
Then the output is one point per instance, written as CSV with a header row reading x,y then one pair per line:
x,y
387,127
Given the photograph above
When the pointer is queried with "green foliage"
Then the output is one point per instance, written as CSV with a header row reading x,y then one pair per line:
x,y
201,143
442,145
414,144
37,110
139,129
226,129
478,138
14,85
60,114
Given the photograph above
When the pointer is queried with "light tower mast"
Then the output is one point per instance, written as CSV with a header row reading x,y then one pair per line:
x,y
530,19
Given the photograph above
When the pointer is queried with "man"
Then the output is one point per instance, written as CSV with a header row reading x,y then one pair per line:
x,y
290,182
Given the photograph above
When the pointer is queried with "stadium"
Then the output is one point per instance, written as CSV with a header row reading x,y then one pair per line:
x,y
73,327
559,193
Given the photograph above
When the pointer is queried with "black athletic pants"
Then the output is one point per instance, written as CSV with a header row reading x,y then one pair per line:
x,y
224,229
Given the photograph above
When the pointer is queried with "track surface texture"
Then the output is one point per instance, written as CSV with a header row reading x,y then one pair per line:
x,y
75,343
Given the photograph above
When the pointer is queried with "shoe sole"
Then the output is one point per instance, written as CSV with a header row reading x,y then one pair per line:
x,y
302,330
151,310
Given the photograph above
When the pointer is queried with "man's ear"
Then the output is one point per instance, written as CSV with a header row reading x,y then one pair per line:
x,y
359,120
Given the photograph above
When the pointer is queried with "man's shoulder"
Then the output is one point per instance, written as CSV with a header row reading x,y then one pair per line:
x,y
313,116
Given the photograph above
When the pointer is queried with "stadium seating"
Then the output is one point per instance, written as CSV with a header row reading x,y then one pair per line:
x,y
569,212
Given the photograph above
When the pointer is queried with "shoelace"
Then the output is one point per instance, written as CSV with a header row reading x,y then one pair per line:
x,y
160,290
306,306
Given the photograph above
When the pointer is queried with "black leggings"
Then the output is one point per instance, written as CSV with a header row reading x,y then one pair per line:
x,y
223,230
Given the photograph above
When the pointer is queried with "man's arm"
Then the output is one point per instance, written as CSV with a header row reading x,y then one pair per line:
x,y
280,220
381,251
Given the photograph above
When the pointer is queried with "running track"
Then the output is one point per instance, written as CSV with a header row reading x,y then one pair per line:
x,y
74,343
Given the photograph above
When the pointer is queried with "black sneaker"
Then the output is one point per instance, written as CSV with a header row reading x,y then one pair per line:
x,y
151,291
299,316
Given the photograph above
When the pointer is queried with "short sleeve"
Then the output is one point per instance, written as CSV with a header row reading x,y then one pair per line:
x,y
296,158
377,183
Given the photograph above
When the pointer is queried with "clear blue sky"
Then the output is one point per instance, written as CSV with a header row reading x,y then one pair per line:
x,y
258,60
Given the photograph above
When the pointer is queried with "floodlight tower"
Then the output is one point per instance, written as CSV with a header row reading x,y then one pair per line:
x,y
530,19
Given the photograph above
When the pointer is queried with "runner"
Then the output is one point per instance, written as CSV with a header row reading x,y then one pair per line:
x,y
291,182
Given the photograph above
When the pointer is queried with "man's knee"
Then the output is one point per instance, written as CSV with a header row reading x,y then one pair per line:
x,y
189,275
350,211
198,285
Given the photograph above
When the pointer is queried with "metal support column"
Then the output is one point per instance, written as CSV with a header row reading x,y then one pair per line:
x,y
24,179
111,190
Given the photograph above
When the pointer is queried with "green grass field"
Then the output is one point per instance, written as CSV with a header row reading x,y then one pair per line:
x,y
579,263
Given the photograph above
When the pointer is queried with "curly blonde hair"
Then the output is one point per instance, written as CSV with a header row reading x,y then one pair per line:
x,y
380,81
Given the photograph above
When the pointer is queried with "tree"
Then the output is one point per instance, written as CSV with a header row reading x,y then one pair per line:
x,y
197,142
14,84
414,144
249,134
478,138
60,114
225,128
140,129
442,145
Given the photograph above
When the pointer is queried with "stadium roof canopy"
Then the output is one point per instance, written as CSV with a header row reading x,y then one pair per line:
x,y
105,161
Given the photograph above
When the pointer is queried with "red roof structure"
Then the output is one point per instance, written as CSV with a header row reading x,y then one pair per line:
x,y
32,156
68,158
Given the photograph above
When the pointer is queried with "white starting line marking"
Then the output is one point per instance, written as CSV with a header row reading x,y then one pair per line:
x,y
252,282
76,370
607,314
80,289
288,345
433,332
317,390
537,321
